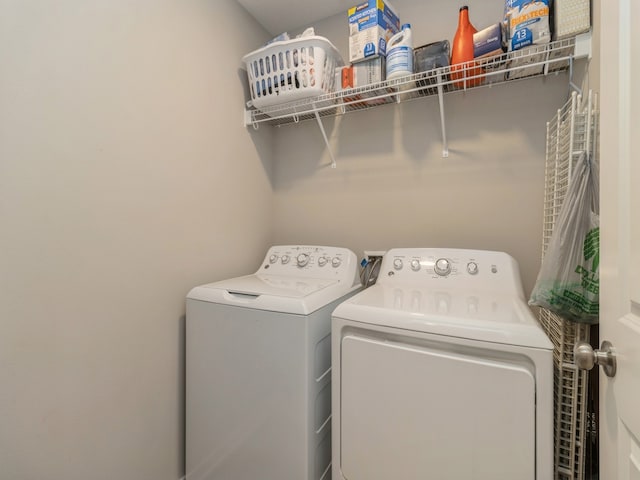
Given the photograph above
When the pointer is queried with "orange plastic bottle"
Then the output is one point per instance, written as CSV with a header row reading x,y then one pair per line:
x,y
462,51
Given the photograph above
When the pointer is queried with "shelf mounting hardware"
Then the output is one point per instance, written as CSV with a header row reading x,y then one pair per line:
x,y
443,125
324,135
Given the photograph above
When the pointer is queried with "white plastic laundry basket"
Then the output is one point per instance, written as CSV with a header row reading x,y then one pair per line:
x,y
292,70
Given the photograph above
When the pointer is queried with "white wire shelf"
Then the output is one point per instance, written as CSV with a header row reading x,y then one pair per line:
x,y
551,58
535,61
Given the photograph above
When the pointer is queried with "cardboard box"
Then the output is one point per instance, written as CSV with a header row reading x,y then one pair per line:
x,y
571,17
360,75
371,25
536,55
488,48
369,71
346,83
488,42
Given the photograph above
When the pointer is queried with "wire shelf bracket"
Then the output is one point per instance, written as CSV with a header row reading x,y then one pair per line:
x,y
326,140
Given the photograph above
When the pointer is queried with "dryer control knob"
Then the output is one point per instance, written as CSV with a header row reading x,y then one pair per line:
x,y
302,259
398,264
443,267
285,259
472,268
273,258
336,262
322,261
415,265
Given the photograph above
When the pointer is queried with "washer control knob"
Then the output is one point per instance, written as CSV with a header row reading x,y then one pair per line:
x,y
336,262
415,265
443,267
302,259
322,261
273,258
472,268
397,264
285,259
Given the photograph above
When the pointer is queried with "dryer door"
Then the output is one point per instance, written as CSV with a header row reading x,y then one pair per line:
x,y
437,411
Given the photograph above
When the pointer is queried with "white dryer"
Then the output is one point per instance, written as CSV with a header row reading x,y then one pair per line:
x,y
258,367
441,371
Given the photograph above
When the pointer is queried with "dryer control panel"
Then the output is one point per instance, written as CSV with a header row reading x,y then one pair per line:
x,y
453,268
310,261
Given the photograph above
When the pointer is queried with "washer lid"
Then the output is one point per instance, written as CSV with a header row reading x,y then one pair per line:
x,y
274,285
273,292
484,316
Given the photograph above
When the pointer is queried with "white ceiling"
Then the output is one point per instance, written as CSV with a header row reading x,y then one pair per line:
x,y
278,16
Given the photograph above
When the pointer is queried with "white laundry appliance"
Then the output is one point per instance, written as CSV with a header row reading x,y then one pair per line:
x,y
440,371
258,367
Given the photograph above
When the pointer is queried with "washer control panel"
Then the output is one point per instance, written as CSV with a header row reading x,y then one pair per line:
x,y
451,267
442,267
310,262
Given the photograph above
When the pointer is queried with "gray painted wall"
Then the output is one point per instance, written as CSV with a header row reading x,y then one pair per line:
x,y
126,178
393,188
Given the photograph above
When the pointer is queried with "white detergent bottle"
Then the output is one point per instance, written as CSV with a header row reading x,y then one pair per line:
x,y
400,54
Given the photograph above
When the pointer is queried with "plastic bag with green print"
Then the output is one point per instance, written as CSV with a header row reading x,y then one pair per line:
x,y
569,279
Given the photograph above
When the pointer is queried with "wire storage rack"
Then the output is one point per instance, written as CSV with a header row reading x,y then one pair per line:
x,y
572,131
528,62
534,61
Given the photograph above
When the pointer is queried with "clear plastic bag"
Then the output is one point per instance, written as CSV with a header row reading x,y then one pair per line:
x,y
569,280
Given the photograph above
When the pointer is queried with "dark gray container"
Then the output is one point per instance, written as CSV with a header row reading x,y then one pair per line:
x,y
429,57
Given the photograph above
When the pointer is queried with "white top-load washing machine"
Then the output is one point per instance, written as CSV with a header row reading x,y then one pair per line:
x,y
258,367
440,371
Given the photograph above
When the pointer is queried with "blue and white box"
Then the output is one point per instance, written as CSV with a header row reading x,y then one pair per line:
x,y
488,42
528,23
371,25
